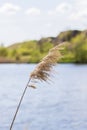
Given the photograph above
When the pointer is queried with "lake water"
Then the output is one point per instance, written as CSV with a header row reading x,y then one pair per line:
x,y
60,105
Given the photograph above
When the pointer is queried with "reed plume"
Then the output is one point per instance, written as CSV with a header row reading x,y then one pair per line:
x,y
41,72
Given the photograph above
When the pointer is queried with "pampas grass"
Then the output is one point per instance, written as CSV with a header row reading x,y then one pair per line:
x,y
41,72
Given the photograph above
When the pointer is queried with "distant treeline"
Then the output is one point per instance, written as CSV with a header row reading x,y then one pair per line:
x,y
75,49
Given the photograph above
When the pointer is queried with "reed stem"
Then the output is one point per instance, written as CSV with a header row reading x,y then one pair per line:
x,y
11,126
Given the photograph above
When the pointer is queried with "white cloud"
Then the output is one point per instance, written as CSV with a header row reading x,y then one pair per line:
x,y
81,3
9,8
79,15
61,8
33,11
79,10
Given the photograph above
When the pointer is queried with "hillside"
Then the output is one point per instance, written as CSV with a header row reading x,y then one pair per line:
x,y
75,51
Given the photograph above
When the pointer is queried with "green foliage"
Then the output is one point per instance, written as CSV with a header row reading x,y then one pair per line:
x,y
65,36
14,52
75,49
80,48
3,51
44,48
35,57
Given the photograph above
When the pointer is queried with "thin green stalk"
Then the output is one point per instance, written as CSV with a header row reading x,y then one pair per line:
x,y
11,126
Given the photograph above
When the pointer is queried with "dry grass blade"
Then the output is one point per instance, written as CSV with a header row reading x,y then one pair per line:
x,y
32,86
42,70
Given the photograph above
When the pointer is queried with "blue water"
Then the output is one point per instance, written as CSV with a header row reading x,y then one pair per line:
x,y
60,105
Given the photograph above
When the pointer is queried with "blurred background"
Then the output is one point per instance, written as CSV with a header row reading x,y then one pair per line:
x,y
28,29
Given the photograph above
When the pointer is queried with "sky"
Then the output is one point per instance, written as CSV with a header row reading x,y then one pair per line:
x,y
22,20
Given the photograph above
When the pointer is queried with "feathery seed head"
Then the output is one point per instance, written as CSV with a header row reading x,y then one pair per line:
x,y
42,70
